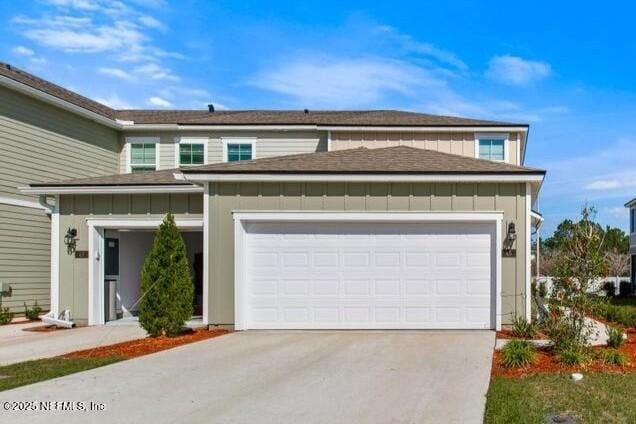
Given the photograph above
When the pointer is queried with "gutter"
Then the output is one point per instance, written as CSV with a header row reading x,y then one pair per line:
x,y
112,189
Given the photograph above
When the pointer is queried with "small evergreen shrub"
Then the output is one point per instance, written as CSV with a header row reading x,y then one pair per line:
x,y
166,283
572,355
517,354
613,357
625,288
5,315
523,328
615,337
609,288
32,314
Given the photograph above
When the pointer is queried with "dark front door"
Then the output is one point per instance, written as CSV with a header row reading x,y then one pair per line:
x,y
111,257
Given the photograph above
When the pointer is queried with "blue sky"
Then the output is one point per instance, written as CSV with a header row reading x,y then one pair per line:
x,y
568,72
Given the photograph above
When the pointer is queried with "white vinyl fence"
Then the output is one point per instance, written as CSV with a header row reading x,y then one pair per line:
x,y
595,287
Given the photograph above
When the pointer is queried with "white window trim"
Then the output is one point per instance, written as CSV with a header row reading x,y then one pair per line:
x,y
146,140
190,140
238,140
241,218
493,136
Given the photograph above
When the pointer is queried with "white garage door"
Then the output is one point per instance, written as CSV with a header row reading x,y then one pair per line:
x,y
368,276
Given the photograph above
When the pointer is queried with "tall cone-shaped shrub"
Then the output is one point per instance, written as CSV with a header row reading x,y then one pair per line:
x,y
167,288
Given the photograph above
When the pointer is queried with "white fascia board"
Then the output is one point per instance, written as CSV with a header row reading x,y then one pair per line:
x,y
362,178
373,216
196,127
142,222
502,129
631,203
112,189
23,203
56,101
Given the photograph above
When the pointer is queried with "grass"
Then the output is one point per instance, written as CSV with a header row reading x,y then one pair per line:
x,y
599,397
29,372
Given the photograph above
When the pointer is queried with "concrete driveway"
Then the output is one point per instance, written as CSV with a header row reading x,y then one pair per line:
x,y
17,345
284,377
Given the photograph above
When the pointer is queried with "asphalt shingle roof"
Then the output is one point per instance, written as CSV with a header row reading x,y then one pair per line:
x,y
247,117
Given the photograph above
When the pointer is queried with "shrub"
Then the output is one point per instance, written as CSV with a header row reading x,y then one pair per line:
x,y
32,314
5,315
615,337
613,357
517,354
625,288
166,283
609,288
523,328
572,355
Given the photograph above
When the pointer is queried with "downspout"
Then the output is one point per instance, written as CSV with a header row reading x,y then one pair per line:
x,y
48,208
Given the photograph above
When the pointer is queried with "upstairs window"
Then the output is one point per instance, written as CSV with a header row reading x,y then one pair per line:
x,y
632,220
492,149
143,157
191,154
236,152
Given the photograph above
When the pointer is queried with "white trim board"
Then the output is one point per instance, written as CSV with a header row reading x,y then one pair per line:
x,y
240,235
23,203
96,227
55,258
363,177
528,258
112,189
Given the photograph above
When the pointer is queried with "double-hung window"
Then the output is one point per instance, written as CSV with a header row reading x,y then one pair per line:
x,y
191,153
492,148
143,157
238,150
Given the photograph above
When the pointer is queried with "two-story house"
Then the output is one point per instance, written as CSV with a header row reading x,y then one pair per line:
x,y
292,219
632,239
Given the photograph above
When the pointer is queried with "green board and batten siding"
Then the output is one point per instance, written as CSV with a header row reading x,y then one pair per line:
x,y
75,209
40,142
228,197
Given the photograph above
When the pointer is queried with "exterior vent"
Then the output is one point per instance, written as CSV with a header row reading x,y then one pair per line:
x,y
210,107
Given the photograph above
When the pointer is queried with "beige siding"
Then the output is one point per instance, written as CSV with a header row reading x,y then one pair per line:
x,y
228,197
41,143
25,256
73,213
456,143
267,144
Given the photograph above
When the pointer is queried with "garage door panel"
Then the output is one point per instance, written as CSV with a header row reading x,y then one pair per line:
x,y
330,276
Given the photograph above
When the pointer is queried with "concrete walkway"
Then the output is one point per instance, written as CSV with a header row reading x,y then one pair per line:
x,y
284,377
17,345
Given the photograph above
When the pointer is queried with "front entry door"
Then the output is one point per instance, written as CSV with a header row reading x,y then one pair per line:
x,y
111,277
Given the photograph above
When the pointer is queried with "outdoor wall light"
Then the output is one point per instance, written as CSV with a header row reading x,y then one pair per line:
x,y
70,240
512,231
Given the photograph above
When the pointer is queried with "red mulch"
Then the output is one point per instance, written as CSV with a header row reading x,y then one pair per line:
x,y
506,333
547,363
140,347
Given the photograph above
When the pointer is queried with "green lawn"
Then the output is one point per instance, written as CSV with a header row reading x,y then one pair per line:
x,y
599,397
29,372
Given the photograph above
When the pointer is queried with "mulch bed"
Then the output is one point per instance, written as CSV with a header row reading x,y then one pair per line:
x,y
547,362
506,334
140,347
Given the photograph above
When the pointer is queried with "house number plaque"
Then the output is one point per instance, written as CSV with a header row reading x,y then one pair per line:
x,y
81,254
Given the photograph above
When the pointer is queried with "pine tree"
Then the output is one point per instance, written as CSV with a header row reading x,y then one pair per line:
x,y
167,287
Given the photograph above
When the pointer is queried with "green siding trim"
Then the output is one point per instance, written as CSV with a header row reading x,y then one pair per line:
x,y
228,197
75,209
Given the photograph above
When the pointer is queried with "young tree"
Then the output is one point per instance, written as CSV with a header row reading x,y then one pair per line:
x,y
617,264
166,283
581,261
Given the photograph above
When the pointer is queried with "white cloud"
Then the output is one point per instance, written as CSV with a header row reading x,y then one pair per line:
x,y
342,82
159,102
155,72
23,51
515,70
618,212
410,44
115,73
150,22
114,102
603,185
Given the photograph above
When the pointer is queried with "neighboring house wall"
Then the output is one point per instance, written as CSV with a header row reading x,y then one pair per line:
x,y
268,143
73,272
38,143
228,197
448,142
